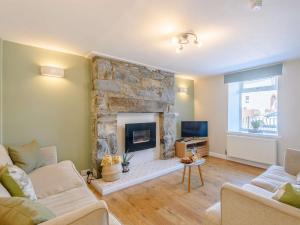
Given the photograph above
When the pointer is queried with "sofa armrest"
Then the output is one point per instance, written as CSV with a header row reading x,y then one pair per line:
x,y
241,207
94,214
48,155
291,161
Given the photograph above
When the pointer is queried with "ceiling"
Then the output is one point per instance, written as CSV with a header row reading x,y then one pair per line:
x,y
234,36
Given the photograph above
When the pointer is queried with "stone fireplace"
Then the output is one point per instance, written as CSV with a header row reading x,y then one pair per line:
x,y
122,87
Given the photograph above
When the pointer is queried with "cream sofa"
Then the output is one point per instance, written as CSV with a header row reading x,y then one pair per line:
x,y
252,204
60,187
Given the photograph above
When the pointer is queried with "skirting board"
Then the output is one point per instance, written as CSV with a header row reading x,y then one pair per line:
x,y
218,155
242,161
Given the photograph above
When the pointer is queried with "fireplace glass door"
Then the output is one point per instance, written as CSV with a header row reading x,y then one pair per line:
x,y
140,136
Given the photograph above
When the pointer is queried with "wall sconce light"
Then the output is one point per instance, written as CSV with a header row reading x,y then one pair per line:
x,y
182,90
52,71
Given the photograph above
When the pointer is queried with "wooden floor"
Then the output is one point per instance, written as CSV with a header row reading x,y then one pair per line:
x,y
165,200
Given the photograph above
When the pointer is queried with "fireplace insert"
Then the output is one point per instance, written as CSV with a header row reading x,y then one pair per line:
x,y
140,136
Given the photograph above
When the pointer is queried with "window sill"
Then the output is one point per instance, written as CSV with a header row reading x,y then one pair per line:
x,y
249,134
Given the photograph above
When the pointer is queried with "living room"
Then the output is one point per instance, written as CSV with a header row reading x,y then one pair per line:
x,y
149,112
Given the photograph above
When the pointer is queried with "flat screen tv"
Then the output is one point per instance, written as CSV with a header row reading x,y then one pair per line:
x,y
194,129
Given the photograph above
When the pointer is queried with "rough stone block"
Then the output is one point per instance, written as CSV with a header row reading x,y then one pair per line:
x,y
108,85
104,69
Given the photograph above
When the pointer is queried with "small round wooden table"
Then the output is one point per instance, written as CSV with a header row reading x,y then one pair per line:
x,y
198,163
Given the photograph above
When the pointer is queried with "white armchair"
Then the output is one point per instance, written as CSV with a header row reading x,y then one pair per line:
x,y
252,204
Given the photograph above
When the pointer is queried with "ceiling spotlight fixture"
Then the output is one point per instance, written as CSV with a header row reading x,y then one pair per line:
x,y
256,5
185,39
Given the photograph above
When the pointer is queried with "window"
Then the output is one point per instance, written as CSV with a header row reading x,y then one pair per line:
x,y
252,106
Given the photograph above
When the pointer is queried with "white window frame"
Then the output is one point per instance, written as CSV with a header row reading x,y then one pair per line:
x,y
257,89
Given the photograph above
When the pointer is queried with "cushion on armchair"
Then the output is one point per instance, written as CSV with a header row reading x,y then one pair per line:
x,y
288,194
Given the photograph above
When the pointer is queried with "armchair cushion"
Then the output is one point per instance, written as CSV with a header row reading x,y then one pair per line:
x,y
273,178
56,178
292,159
288,194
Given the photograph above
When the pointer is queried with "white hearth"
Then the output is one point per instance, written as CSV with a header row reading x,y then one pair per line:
x,y
138,173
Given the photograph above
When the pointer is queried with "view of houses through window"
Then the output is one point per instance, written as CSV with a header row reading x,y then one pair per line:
x,y
259,105
253,106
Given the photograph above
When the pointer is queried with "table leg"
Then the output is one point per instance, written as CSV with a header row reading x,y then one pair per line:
x,y
183,175
201,177
189,187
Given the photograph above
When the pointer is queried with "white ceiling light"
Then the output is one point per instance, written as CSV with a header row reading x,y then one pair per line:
x,y
256,5
185,39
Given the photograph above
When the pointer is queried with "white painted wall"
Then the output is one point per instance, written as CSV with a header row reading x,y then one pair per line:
x,y
144,155
211,105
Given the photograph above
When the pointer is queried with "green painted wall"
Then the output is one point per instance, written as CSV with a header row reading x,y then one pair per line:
x,y
1,70
54,111
184,103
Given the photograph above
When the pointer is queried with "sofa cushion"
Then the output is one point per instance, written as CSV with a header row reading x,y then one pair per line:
x,y
291,161
4,157
53,179
23,211
3,192
25,156
213,215
17,182
69,200
273,178
288,194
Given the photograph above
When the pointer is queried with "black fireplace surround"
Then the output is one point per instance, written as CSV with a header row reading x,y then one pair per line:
x,y
140,136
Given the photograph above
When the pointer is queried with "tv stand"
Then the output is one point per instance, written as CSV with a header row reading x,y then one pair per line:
x,y
185,147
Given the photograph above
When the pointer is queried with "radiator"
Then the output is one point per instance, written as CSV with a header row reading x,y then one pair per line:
x,y
255,149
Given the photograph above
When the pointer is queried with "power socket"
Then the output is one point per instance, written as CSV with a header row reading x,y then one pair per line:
x,y
85,172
